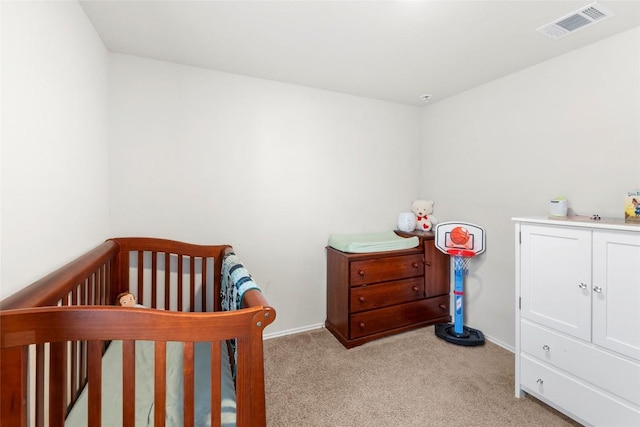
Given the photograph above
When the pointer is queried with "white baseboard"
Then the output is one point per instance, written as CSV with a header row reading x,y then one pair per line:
x,y
293,331
321,325
500,343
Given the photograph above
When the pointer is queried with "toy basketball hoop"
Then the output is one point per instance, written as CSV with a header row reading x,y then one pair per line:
x,y
462,241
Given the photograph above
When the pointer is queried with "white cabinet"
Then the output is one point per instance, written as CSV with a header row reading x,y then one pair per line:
x,y
578,317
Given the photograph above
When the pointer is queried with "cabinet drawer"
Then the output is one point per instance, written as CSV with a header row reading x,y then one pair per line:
x,y
605,370
397,316
385,269
369,297
575,397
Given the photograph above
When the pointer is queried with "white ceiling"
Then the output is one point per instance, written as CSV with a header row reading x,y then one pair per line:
x,y
389,50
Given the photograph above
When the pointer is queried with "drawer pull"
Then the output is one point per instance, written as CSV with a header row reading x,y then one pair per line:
x,y
361,325
414,265
362,299
597,289
361,273
415,289
546,347
582,285
428,263
539,381
443,306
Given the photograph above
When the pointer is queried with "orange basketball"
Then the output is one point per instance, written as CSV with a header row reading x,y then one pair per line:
x,y
459,235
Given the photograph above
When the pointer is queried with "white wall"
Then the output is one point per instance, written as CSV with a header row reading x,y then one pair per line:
x,y
271,168
274,169
569,126
54,139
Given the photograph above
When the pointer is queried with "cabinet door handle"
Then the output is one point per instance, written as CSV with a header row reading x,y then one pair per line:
x,y
582,285
546,347
597,289
361,273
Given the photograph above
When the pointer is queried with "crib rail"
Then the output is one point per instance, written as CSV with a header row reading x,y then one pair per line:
x,y
56,326
88,280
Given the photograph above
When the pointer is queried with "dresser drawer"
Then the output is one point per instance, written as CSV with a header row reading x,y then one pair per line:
x,y
385,269
620,377
575,397
369,297
397,316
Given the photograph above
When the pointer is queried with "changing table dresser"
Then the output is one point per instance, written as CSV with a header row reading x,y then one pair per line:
x,y
578,317
372,295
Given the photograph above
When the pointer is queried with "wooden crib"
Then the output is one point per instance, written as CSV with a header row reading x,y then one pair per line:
x,y
54,334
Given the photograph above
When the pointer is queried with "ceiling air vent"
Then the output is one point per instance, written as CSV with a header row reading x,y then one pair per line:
x,y
581,18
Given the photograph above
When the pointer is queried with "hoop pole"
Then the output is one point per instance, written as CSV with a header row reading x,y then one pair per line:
x,y
459,294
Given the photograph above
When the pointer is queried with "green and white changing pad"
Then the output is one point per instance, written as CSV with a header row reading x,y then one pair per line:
x,y
372,242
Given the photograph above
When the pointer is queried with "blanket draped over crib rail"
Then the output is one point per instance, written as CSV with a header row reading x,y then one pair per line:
x,y
236,280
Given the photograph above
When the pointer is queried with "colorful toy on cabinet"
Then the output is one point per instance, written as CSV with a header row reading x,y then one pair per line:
x,y
423,210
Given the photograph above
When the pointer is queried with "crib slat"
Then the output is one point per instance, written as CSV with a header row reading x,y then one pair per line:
x,y
192,283
74,368
180,289
243,391
57,375
89,294
216,380
95,278
94,363
154,279
140,269
160,382
128,383
94,284
83,364
167,290
189,384
40,384
203,282
91,279
104,283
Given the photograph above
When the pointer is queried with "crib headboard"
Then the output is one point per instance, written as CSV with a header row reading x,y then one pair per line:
x,y
139,265
191,283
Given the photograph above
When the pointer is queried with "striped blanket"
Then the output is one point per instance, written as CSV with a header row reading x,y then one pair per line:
x,y
236,280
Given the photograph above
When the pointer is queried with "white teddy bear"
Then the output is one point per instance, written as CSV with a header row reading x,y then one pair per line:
x,y
423,210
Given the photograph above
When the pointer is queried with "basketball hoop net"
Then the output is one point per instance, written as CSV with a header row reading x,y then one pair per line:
x,y
461,260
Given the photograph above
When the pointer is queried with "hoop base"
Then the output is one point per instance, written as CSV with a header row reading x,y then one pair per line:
x,y
469,337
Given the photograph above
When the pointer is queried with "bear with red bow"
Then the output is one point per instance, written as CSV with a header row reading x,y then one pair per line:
x,y
423,210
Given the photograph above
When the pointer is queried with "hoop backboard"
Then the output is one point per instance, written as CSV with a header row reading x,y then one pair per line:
x,y
459,235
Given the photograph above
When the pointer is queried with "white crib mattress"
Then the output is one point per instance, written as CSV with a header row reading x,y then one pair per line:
x,y
112,387
372,242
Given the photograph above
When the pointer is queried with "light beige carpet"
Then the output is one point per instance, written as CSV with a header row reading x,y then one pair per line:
x,y
410,379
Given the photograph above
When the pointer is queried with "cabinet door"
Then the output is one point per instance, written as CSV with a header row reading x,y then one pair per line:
x,y
436,270
616,291
555,282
